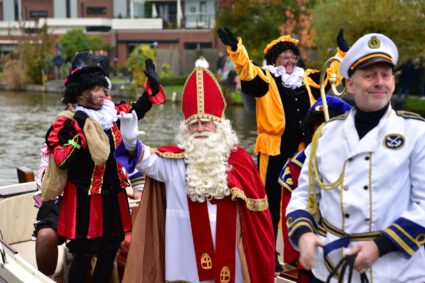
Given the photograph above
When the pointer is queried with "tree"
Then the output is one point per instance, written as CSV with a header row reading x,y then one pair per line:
x,y
76,40
299,21
136,62
31,60
73,41
36,52
402,21
256,21
260,21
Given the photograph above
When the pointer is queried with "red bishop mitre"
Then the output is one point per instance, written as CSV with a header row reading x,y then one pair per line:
x,y
202,97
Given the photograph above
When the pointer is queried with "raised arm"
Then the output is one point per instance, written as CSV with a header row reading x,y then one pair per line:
x,y
254,80
153,94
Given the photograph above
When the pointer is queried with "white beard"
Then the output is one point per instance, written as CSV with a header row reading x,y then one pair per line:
x,y
206,160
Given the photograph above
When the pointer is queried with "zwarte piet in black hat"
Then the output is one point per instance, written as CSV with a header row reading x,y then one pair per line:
x,y
279,45
85,74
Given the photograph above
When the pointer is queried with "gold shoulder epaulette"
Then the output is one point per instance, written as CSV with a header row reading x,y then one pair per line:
x,y
409,115
167,154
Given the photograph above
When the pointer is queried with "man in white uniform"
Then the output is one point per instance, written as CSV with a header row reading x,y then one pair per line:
x,y
361,191
217,223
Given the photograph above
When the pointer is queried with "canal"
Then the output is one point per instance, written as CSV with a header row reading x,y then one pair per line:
x,y
26,116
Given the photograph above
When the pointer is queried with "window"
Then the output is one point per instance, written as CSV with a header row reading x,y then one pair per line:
x,y
38,14
202,10
68,9
96,10
197,45
98,28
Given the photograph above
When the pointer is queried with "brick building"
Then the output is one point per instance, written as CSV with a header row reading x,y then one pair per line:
x,y
177,29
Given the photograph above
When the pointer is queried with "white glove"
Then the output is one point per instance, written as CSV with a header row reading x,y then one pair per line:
x,y
130,130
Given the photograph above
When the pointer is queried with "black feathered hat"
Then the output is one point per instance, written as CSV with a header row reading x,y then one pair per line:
x,y
85,74
279,45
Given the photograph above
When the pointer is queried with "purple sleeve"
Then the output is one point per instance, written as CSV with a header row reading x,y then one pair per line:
x,y
125,159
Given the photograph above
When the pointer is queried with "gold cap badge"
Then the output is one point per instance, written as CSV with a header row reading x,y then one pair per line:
x,y
374,42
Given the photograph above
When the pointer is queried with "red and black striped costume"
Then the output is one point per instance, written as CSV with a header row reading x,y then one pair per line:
x,y
94,204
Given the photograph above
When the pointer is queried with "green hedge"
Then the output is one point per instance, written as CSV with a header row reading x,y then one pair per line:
x,y
175,80
416,105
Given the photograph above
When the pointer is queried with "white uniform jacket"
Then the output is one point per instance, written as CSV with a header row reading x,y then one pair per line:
x,y
382,190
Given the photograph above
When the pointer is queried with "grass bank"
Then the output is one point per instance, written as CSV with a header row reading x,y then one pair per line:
x,y
414,104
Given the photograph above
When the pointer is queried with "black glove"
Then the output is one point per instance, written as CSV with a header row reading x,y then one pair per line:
x,y
152,76
81,118
341,42
228,38
142,105
67,132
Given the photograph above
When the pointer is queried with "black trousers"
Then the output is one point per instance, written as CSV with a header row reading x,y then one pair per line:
x,y
273,189
83,250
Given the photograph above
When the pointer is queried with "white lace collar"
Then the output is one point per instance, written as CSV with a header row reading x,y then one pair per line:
x,y
293,80
106,116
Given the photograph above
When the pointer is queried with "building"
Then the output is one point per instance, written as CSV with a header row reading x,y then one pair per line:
x,y
178,29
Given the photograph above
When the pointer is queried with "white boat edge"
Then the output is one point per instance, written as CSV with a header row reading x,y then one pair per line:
x,y
14,268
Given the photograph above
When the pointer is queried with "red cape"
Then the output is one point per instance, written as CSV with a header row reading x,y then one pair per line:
x,y
247,190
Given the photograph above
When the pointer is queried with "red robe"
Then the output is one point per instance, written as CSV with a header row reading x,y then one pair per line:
x,y
145,262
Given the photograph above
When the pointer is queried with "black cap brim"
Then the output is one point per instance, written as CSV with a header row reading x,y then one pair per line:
x,y
369,62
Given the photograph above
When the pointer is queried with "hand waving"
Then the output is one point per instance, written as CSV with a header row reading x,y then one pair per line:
x,y
130,130
152,76
228,38
341,42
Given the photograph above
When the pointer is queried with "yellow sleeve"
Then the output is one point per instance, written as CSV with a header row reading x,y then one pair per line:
x,y
245,69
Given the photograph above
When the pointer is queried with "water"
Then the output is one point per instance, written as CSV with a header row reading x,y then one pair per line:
x,y
26,116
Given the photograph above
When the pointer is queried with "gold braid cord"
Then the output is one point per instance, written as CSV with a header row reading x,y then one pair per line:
x,y
313,176
251,204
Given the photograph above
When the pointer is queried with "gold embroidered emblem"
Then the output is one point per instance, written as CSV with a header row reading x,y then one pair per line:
x,y
374,42
225,275
206,262
394,141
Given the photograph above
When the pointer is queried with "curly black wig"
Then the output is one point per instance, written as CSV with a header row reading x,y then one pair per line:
x,y
82,80
280,47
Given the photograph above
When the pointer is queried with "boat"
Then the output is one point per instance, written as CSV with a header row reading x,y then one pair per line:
x,y
17,246
17,249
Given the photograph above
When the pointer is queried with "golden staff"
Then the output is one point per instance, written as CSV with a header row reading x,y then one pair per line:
x,y
333,80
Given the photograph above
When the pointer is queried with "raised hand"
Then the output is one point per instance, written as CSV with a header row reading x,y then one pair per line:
x,y
341,42
130,130
228,38
152,76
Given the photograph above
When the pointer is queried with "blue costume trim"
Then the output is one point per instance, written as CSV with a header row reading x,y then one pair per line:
x,y
406,235
285,176
300,218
